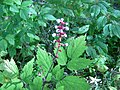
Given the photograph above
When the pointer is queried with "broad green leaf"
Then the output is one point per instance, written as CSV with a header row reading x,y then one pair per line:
x,y
81,30
18,2
26,3
91,52
49,17
79,63
14,8
76,47
24,13
10,68
27,71
44,60
60,88
95,10
74,83
62,57
42,23
8,2
10,38
116,30
33,36
112,88
15,84
68,12
12,51
102,47
1,78
101,21
36,84
3,44
103,9
106,30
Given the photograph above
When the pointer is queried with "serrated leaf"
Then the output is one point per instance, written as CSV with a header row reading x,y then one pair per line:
x,y
10,68
80,63
15,84
76,47
44,60
62,57
10,39
36,84
27,71
74,83
81,30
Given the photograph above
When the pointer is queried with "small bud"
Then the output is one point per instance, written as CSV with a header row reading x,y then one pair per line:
x,y
62,19
54,34
67,28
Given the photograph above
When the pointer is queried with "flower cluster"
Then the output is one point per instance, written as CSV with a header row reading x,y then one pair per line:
x,y
60,33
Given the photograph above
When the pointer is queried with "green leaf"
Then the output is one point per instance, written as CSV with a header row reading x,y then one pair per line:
x,y
49,17
74,83
18,2
68,12
62,57
76,47
42,23
81,30
14,8
3,44
80,63
102,47
36,84
103,9
26,3
33,36
27,71
10,39
8,2
44,60
10,68
101,21
60,88
15,84
95,10
24,13
116,30
91,52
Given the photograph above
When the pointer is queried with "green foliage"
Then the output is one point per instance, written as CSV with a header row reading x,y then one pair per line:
x,y
93,45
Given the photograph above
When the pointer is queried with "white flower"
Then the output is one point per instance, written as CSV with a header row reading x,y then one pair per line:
x,y
62,19
65,35
56,26
58,20
94,80
66,23
66,44
54,34
67,28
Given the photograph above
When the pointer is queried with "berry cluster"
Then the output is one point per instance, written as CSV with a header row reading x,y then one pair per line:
x,y
60,33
